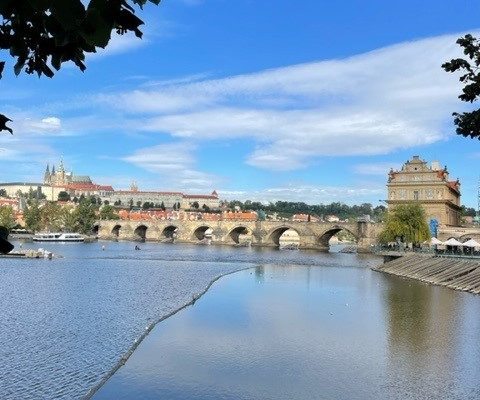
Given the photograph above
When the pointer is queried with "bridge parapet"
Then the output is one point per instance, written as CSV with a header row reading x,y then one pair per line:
x,y
312,235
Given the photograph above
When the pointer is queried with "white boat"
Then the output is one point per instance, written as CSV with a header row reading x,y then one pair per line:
x,y
58,237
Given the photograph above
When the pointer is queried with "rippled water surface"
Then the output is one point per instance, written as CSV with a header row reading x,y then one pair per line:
x,y
308,332
66,322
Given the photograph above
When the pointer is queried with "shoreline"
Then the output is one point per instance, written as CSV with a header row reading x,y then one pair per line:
x,y
124,358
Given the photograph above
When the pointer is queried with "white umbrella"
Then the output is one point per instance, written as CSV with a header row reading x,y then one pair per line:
x,y
452,242
434,241
471,243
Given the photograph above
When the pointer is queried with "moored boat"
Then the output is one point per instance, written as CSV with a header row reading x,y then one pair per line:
x,y
58,237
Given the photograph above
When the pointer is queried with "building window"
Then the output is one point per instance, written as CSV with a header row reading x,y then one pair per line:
x,y
415,195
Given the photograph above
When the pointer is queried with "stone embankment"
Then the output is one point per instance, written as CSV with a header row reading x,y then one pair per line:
x,y
453,272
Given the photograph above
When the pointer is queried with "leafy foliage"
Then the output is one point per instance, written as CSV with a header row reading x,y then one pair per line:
x,y
85,216
468,123
63,196
51,217
288,208
407,222
32,216
108,212
41,35
7,217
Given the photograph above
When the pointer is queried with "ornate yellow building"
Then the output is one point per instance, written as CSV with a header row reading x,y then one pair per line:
x,y
430,186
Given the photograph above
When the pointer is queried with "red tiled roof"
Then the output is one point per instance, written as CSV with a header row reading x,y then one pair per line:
x,y
148,192
199,196
454,185
88,186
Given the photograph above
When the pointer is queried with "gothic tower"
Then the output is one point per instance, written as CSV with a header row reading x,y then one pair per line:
x,y
46,176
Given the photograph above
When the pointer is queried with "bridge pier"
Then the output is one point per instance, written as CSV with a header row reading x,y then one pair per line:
x,y
312,235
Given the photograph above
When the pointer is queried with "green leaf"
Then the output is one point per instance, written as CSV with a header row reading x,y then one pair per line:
x,y
97,31
68,13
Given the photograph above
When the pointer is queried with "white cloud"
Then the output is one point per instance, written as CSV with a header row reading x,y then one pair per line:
x,y
308,194
374,103
380,168
174,164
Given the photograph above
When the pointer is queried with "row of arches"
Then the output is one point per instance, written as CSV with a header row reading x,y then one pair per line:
x,y
237,235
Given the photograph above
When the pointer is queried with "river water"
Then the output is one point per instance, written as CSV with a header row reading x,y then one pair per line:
x,y
298,325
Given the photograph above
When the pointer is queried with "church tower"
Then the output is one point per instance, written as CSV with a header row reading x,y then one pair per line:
x,y
46,176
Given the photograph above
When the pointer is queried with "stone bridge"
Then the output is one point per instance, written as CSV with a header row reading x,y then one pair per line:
x,y
460,233
312,235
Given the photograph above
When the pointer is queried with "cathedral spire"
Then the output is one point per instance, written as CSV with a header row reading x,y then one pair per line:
x,y
61,168
46,176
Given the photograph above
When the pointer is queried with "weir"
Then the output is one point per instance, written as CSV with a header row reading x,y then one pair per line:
x,y
455,272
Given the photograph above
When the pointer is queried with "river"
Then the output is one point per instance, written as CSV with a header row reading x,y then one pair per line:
x,y
296,325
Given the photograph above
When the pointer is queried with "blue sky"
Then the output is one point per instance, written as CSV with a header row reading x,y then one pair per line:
x,y
308,101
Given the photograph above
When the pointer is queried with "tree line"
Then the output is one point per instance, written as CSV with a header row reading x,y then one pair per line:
x,y
288,208
54,217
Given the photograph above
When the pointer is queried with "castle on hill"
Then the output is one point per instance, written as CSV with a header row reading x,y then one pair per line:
x,y
60,177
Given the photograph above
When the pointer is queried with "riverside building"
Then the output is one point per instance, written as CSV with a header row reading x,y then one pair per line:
x,y
428,185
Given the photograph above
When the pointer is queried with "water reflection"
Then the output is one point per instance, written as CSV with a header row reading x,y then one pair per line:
x,y
66,322
426,335
296,332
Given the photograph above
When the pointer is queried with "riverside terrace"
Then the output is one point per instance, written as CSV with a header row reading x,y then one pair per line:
x,y
312,235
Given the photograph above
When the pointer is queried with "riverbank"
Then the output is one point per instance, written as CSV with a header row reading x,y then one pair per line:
x,y
459,273
309,332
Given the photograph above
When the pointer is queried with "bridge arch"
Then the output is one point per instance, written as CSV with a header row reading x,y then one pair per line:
x,y
169,232
273,237
202,232
235,233
140,233
116,230
324,238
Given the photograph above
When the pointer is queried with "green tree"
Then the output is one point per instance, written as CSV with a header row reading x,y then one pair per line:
x,y
85,216
3,193
407,222
69,220
206,208
51,217
162,206
7,217
468,123
468,211
32,216
43,34
108,212
63,196
195,205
